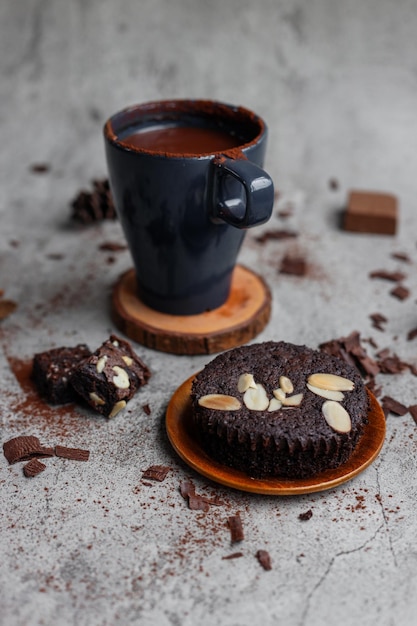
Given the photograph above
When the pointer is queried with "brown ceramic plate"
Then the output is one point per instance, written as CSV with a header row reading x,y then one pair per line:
x,y
185,443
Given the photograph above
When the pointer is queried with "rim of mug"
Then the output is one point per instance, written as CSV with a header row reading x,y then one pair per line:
x,y
205,108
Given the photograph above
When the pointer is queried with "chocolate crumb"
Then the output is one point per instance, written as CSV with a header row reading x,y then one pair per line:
x,y
264,559
277,235
156,472
401,256
112,246
378,320
33,468
234,555
236,529
39,168
389,405
147,409
400,292
412,334
73,454
304,517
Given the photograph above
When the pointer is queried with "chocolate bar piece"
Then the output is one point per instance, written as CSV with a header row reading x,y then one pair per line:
x,y
23,448
73,454
110,377
371,212
33,468
52,371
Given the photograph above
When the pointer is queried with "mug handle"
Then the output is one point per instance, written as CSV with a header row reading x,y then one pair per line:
x,y
242,193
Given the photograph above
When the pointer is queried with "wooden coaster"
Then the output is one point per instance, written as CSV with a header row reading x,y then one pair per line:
x,y
243,316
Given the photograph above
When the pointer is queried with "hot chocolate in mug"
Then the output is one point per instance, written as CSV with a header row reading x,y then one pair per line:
x,y
187,181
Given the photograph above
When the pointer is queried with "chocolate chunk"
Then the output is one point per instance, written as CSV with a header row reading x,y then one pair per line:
x,y
304,517
73,454
296,266
197,503
33,468
277,235
156,472
236,529
400,292
110,377
94,206
52,371
389,405
187,488
23,448
264,559
371,212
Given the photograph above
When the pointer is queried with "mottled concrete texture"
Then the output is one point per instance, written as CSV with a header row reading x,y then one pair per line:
x,y
92,543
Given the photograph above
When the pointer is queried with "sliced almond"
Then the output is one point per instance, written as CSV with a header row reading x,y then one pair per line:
x,y
274,405
117,408
127,359
121,379
219,402
285,384
101,363
279,394
336,416
256,399
246,381
326,393
95,398
293,400
331,382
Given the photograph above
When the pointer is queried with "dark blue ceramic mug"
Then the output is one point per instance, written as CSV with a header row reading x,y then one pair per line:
x,y
187,180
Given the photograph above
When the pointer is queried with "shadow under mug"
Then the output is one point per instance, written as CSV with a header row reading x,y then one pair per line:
x,y
187,181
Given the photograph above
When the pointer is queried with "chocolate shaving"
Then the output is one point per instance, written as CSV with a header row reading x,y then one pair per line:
x,y
349,349
411,334
23,448
400,292
264,559
304,517
147,409
197,503
7,307
39,168
73,454
295,266
236,529
112,246
413,412
156,472
94,206
401,256
187,488
392,276
234,555
378,320
277,235
389,405
33,468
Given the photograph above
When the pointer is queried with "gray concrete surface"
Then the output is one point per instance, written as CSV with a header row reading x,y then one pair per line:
x,y
92,544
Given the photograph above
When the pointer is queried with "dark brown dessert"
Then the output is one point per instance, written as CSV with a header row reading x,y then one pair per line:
x,y
278,409
371,212
52,371
110,377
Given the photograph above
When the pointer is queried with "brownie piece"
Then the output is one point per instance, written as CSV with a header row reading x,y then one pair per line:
x,y
274,409
110,377
52,371
371,212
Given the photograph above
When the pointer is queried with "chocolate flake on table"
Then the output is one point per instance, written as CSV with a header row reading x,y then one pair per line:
x,y
7,307
264,559
400,292
278,234
147,409
378,320
390,405
350,349
304,517
334,184
293,265
33,468
411,334
413,412
156,472
52,371
394,277
234,555
236,529
39,168
25,447
187,488
73,454
94,206
112,246
198,503
390,363
401,256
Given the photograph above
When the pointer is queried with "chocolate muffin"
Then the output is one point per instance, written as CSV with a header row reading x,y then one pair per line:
x,y
276,409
